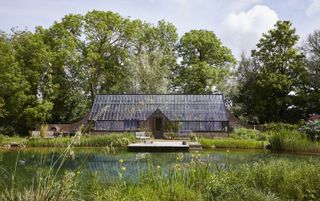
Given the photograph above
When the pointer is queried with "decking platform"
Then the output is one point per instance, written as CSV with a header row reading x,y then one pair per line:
x,y
159,146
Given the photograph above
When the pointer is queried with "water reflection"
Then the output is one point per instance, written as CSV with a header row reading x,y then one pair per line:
x,y
94,160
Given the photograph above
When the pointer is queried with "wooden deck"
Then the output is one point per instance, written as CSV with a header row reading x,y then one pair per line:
x,y
163,146
158,146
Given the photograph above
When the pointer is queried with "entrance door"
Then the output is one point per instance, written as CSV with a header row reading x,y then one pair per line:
x,y
158,128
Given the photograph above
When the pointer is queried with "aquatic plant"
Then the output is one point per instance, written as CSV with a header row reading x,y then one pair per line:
x,y
110,140
292,141
231,143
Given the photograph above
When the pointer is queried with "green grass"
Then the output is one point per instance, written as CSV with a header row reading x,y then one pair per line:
x,y
231,143
118,140
292,141
194,181
4,139
248,134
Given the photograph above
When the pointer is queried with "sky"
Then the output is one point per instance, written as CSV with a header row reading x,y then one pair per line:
x,y
238,23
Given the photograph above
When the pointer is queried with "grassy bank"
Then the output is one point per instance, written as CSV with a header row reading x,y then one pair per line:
x,y
4,139
111,140
232,143
276,180
292,141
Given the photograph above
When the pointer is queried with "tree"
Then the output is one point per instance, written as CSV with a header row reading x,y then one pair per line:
x,y
152,57
245,83
107,43
271,91
312,89
64,39
202,54
14,89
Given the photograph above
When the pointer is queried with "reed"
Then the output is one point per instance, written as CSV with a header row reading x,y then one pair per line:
x,y
232,143
114,140
292,141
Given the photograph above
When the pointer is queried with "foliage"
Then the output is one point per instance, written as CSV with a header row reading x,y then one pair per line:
x,y
271,81
153,56
205,63
292,141
279,126
43,130
248,134
172,126
110,140
312,129
311,92
53,74
277,179
232,143
48,188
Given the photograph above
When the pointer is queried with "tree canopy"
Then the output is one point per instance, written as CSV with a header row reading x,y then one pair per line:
x,y
53,74
271,79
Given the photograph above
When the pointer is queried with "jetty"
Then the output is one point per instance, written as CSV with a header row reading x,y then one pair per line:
x,y
163,146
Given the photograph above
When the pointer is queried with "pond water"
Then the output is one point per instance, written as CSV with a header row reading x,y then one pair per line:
x,y
28,162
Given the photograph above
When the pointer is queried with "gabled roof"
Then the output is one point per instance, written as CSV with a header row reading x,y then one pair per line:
x,y
175,107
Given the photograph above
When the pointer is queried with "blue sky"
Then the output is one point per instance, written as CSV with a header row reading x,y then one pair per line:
x,y
238,23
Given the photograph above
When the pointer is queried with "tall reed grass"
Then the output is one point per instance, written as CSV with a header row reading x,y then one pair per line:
x,y
114,140
292,141
232,143
183,181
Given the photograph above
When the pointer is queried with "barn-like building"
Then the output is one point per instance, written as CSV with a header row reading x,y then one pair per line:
x,y
160,113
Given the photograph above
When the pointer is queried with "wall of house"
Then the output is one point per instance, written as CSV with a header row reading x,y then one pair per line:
x,y
135,125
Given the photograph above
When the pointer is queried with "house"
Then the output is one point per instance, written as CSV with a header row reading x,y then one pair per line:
x,y
159,113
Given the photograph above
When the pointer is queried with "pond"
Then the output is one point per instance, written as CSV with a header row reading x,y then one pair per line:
x,y
27,163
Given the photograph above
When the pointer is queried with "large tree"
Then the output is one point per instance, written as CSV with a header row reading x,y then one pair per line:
x,y
27,88
107,42
312,89
69,73
271,91
152,56
205,62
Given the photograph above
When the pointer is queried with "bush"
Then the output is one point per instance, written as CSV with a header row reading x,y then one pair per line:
x,y
1,139
118,140
292,141
7,130
312,129
231,143
43,130
243,133
279,126
275,180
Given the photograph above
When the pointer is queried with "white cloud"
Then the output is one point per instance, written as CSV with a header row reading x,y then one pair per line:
x,y
241,31
313,8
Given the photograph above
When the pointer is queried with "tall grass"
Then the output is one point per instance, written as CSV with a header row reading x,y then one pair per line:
x,y
276,180
292,141
232,143
47,185
192,181
113,140
248,134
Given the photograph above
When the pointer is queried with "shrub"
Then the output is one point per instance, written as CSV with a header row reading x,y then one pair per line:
x,y
279,126
118,140
312,129
292,141
43,130
1,139
231,143
244,133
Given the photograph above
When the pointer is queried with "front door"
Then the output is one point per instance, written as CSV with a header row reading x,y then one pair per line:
x,y
158,134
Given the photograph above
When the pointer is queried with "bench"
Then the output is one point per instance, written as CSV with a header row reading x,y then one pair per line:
x,y
142,135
